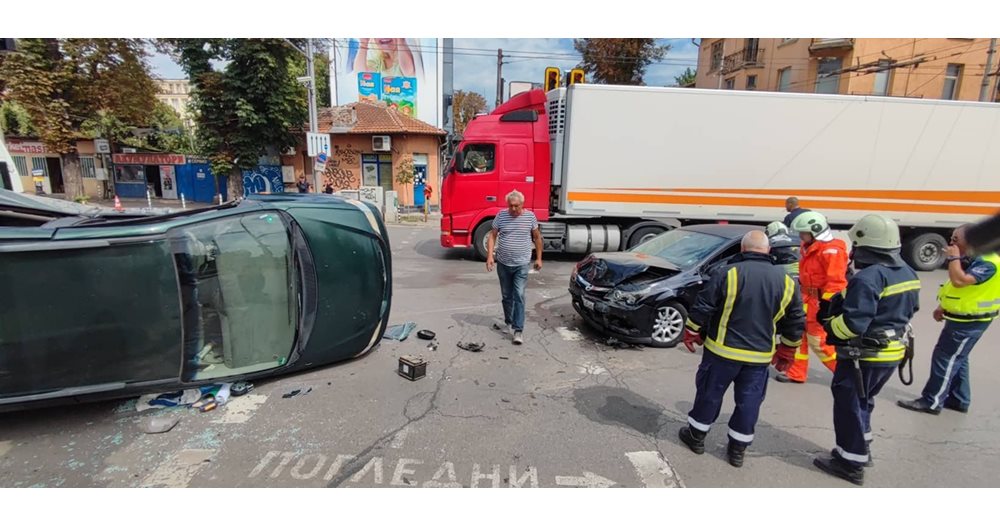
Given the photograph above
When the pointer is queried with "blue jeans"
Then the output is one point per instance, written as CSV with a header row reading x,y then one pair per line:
x,y
715,374
512,283
950,364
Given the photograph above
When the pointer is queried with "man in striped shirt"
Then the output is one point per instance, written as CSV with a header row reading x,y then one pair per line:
x,y
514,232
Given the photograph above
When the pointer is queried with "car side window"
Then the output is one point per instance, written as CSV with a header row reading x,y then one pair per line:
x,y
721,259
478,158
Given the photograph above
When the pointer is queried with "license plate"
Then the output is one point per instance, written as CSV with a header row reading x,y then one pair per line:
x,y
588,304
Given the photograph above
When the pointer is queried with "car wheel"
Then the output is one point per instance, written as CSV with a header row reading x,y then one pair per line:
x,y
925,252
668,325
480,239
644,234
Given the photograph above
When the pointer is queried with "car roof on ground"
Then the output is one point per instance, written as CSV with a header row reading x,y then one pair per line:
x,y
730,231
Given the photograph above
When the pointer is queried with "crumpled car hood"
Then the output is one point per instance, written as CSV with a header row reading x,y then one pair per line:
x,y
611,269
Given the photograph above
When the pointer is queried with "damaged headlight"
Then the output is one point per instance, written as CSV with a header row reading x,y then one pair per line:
x,y
628,297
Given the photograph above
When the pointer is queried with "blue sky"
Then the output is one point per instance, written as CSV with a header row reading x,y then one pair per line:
x,y
476,63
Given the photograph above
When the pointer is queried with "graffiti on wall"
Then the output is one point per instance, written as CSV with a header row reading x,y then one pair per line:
x,y
342,169
263,179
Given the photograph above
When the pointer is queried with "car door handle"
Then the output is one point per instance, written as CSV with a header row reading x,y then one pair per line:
x,y
491,198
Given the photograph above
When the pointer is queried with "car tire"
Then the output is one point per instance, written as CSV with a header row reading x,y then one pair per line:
x,y
644,234
925,252
480,237
668,321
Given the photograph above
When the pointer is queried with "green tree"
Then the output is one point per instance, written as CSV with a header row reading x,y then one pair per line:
x,y
687,78
69,86
14,119
465,105
252,106
618,60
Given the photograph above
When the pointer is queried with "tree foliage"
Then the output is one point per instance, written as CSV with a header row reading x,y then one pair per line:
x,y
465,106
686,78
618,60
250,107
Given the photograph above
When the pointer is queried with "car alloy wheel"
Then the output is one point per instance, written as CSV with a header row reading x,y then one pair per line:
x,y
667,325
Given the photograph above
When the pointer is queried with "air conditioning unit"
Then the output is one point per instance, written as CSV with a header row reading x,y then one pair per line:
x,y
381,143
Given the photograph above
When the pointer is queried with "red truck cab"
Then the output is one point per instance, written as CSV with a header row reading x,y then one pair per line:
x,y
514,141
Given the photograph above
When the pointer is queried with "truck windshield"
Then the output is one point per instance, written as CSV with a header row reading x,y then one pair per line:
x,y
239,291
684,248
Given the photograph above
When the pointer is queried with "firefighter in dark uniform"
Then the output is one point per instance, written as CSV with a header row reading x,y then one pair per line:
x,y
745,307
868,324
784,249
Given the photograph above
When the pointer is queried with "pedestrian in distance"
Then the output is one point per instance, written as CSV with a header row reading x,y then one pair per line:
x,y
515,231
746,306
793,209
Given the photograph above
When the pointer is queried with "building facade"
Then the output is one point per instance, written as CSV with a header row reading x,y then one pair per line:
x,y
930,68
371,143
33,163
176,93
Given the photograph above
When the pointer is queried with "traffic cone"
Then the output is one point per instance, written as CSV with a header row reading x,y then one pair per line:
x,y
118,205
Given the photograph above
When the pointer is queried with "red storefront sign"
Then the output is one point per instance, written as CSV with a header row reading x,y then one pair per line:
x,y
15,146
147,158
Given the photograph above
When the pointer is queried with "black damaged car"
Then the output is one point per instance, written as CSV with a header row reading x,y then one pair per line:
x,y
642,295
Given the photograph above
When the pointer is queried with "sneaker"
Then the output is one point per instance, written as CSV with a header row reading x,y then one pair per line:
x,y
518,338
505,329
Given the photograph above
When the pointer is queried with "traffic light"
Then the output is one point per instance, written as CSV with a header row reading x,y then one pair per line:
x,y
576,76
551,79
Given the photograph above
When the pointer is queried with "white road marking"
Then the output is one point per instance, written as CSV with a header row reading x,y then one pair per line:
x,y
239,409
399,438
591,369
654,470
178,471
588,480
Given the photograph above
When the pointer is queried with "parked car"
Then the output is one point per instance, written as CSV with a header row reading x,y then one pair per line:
x,y
643,295
99,304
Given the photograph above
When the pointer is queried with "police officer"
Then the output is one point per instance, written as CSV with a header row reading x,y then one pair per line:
x,y
866,323
736,317
969,302
784,249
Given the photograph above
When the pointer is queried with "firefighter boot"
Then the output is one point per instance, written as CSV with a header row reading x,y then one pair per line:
x,y
735,453
840,468
693,438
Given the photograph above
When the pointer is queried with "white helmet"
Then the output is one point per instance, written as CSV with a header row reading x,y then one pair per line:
x,y
776,228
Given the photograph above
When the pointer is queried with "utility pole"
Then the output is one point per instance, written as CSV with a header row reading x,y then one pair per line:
x,y
499,77
311,72
984,89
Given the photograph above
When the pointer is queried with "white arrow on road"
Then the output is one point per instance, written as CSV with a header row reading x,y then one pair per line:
x,y
588,480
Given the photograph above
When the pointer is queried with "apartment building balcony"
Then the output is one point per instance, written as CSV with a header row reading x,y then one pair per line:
x,y
751,57
822,44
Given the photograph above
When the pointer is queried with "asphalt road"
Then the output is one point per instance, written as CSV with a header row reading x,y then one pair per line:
x,y
561,410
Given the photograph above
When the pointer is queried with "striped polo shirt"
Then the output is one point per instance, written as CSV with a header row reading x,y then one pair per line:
x,y
514,237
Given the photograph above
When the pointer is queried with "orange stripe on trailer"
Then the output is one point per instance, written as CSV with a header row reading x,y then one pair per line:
x,y
760,202
911,195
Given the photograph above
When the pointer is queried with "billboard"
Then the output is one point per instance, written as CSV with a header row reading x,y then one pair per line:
x,y
402,72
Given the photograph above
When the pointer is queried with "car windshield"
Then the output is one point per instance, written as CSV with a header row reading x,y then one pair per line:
x,y
684,248
239,291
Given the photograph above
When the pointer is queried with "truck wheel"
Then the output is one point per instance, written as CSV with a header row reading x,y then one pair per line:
x,y
644,234
480,238
925,252
668,325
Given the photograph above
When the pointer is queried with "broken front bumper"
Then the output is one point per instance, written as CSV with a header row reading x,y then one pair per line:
x,y
629,323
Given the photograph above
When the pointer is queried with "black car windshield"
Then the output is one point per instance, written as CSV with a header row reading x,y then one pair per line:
x,y
684,248
239,286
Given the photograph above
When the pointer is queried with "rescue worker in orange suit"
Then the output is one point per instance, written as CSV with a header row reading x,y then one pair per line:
x,y
822,274
748,307
868,323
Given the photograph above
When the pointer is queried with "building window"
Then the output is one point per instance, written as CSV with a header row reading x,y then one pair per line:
x,y
785,79
952,81
828,75
376,170
38,163
751,82
21,165
882,78
730,83
751,48
716,55
87,167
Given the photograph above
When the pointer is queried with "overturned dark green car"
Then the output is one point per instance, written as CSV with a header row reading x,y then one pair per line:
x,y
99,304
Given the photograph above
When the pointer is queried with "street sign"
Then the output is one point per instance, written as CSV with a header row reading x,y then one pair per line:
x,y
102,146
320,165
317,143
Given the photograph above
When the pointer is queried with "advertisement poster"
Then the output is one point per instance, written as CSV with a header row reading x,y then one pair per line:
x,y
400,93
168,182
402,72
